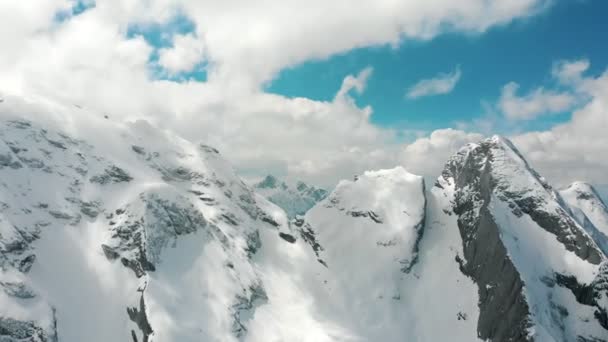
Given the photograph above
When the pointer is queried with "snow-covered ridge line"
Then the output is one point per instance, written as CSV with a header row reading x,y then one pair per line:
x,y
155,238
105,221
589,210
520,244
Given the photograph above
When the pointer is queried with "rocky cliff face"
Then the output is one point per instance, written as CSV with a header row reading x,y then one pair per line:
x,y
518,240
138,235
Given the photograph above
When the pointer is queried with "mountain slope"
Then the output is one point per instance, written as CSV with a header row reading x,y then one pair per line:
x,y
148,236
138,235
390,254
520,246
589,210
294,199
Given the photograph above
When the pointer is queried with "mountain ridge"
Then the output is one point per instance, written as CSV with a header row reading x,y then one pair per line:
x,y
167,243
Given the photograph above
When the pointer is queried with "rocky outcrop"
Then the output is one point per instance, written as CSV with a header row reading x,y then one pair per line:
x,y
483,175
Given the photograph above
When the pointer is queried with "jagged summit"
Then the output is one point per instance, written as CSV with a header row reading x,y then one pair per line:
x,y
270,182
296,199
515,231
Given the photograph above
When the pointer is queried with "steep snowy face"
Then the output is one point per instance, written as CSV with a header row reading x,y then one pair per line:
x,y
366,233
530,259
295,199
129,235
589,210
383,208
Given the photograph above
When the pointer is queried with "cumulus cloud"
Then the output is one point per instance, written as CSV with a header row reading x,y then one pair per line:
x,y
439,85
541,101
530,106
186,53
570,72
90,59
574,150
428,155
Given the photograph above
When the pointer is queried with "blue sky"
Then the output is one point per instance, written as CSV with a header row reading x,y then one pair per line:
x,y
523,51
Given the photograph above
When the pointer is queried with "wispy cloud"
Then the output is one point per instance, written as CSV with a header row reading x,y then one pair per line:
x,y
357,83
541,101
441,84
536,103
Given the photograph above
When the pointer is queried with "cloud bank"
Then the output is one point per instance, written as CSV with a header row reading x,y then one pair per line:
x,y
101,56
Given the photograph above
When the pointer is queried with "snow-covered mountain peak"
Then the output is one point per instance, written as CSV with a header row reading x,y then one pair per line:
x,y
271,182
384,195
511,220
582,190
380,218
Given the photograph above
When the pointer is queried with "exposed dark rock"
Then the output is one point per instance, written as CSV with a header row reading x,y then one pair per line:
x,y
26,264
109,252
504,312
112,174
254,243
19,124
12,330
91,209
209,149
310,237
371,214
139,317
19,290
244,307
374,217
287,237
594,294
419,228
7,160
230,218
138,149
137,239
470,165
268,219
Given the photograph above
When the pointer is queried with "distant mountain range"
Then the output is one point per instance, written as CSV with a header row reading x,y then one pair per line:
x,y
295,199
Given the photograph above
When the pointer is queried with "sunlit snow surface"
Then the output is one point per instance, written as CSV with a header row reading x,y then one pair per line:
x,y
124,232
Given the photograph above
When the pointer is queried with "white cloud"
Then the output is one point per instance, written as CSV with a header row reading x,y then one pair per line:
x,y
89,60
530,106
428,155
186,53
570,72
541,101
439,85
357,83
574,150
